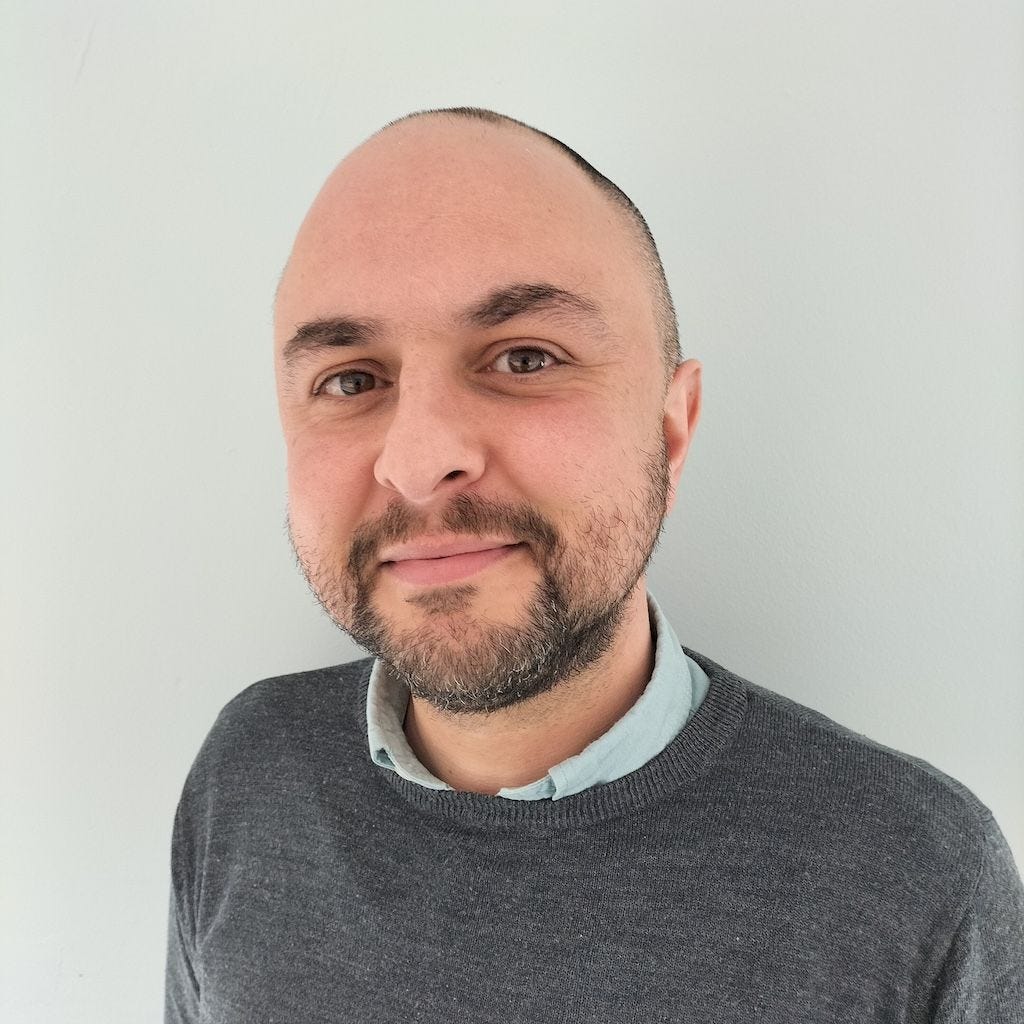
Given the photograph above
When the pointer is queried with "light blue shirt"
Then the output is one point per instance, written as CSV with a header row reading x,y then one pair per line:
x,y
674,692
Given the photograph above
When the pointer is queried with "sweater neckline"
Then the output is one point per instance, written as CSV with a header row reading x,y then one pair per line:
x,y
688,756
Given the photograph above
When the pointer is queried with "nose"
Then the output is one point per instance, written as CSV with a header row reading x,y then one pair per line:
x,y
432,446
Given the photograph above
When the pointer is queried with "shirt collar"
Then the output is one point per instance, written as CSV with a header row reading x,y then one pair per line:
x,y
672,693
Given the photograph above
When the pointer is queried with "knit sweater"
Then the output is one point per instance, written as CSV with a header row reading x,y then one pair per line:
x,y
767,866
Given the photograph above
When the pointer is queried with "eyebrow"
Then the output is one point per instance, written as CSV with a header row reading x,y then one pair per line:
x,y
505,303
496,308
331,332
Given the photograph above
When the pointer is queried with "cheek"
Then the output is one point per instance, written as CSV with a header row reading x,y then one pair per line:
x,y
565,455
327,482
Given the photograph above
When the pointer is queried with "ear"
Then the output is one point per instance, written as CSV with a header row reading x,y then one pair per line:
x,y
682,410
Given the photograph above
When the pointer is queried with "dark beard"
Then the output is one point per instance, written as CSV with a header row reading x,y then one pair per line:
x,y
503,665
483,666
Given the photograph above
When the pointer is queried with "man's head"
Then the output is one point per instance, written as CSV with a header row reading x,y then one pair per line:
x,y
475,343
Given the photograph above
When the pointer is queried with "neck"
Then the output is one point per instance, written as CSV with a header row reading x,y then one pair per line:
x,y
518,745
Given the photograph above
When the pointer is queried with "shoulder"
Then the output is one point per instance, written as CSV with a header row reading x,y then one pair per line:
x,y
298,694
884,813
892,781
284,721
905,857
278,751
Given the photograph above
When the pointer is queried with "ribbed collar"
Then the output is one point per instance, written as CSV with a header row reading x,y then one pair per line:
x,y
694,752
675,690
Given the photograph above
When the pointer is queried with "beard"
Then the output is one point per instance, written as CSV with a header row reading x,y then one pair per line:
x,y
462,662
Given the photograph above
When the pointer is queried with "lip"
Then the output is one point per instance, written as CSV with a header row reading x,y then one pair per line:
x,y
442,547
436,571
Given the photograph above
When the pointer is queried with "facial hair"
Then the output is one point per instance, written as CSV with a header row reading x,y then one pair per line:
x,y
463,663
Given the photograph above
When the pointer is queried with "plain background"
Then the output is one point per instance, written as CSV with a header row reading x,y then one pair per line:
x,y
835,189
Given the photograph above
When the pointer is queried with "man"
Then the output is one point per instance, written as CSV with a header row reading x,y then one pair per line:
x,y
533,804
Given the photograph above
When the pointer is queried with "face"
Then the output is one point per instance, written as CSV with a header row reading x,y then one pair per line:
x,y
467,355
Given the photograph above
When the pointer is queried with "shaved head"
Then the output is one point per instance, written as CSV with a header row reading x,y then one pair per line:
x,y
648,250
643,245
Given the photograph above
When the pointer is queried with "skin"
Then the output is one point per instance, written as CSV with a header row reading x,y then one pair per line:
x,y
578,460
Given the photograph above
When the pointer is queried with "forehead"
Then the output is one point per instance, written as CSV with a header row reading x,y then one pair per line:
x,y
433,211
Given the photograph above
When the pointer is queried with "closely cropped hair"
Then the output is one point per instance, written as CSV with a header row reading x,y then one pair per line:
x,y
665,312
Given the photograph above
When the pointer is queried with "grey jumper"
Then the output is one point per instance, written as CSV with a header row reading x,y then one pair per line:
x,y
767,866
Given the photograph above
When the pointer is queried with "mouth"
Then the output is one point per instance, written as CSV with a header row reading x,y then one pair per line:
x,y
432,572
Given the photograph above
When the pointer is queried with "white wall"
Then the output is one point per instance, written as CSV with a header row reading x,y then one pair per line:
x,y
836,191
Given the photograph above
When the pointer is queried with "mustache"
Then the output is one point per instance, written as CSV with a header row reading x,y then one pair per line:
x,y
464,514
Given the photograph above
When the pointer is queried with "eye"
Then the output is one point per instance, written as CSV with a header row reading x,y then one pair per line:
x,y
347,384
523,360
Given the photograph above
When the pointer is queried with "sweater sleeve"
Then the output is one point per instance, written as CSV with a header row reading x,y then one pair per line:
x,y
982,979
181,990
